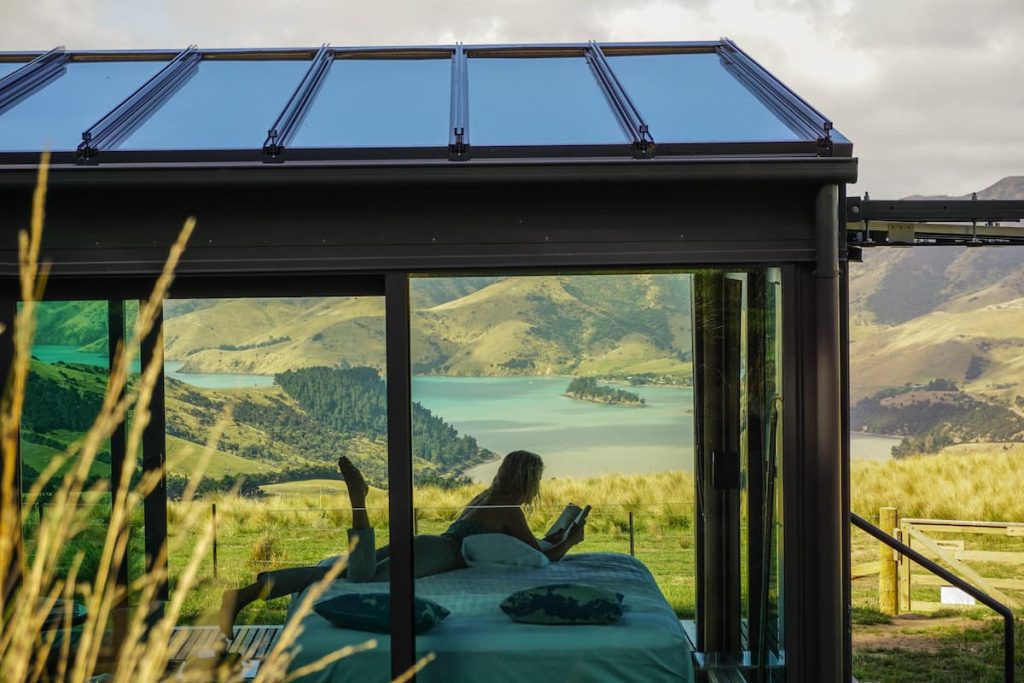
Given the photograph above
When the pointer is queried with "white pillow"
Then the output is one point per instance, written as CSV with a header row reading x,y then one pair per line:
x,y
500,550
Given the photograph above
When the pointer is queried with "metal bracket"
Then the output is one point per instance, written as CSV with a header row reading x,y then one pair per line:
x,y
288,121
29,78
458,140
133,111
625,111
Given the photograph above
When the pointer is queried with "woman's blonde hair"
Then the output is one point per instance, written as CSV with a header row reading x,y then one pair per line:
x,y
518,477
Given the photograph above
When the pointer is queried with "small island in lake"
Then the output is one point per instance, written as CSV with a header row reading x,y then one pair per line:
x,y
587,389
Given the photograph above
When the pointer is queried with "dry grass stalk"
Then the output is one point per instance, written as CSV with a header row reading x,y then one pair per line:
x,y
30,590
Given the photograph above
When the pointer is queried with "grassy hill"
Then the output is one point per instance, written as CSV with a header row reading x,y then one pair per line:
x,y
926,313
582,325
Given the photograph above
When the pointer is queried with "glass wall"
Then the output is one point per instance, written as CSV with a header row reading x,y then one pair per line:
x,y
68,376
594,375
737,326
278,389
67,379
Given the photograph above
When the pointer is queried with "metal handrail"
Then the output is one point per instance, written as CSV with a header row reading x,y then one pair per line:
x,y
940,571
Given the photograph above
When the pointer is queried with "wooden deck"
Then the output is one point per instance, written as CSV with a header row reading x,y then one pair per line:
x,y
252,642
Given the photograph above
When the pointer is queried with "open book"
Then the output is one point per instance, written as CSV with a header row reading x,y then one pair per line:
x,y
572,516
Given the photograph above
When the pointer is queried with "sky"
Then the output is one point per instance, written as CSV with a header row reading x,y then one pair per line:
x,y
930,91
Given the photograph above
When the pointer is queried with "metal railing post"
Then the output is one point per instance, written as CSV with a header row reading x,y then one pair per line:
x,y
213,513
632,542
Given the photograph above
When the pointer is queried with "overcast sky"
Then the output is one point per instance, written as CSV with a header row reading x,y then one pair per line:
x,y
930,91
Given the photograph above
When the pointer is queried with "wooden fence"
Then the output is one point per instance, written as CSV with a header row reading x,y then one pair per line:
x,y
897,576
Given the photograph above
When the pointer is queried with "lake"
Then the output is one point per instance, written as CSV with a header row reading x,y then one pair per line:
x,y
576,438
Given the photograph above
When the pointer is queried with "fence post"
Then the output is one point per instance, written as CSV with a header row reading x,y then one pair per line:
x,y
632,545
906,601
415,521
213,513
887,574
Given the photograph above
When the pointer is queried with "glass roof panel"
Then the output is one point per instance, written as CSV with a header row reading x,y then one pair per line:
x,y
538,101
380,103
8,67
692,98
56,115
226,104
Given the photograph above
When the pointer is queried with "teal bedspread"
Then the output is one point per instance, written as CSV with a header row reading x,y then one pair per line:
x,y
479,643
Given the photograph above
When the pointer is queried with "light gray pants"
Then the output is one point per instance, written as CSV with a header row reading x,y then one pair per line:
x,y
431,555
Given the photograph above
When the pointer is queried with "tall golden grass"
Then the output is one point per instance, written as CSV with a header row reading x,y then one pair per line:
x,y
30,587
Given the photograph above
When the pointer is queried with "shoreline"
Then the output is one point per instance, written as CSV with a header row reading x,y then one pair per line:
x,y
586,399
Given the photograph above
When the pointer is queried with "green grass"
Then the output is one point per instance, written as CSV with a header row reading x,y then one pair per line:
x,y
308,521
183,458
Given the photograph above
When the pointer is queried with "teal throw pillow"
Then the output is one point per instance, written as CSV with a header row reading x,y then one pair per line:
x,y
564,603
372,612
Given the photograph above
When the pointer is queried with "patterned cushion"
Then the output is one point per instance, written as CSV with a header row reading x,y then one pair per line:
x,y
372,612
564,603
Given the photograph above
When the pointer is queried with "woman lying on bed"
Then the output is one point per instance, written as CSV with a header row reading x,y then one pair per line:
x,y
497,510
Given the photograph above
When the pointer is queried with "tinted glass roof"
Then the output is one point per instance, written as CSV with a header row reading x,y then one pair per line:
x,y
380,103
542,101
54,116
456,102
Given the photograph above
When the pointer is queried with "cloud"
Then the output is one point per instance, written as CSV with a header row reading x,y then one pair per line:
x,y
930,92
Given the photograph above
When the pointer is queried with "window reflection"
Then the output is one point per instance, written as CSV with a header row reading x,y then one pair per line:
x,y
538,101
380,103
225,104
692,98
55,116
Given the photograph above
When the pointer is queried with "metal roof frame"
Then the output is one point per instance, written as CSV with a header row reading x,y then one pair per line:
x,y
818,137
31,77
135,109
284,128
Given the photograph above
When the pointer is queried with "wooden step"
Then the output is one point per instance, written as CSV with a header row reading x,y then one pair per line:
x,y
251,641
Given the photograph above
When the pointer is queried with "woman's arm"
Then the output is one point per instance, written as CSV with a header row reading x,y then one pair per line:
x,y
517,527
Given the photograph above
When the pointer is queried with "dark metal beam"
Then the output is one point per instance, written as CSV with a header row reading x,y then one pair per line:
x,y
154,444
37,74
150,170
122,120
458,129
399,393
934,210
118,437
793,110
625,111
280,134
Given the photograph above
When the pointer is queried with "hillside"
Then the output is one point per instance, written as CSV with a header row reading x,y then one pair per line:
x,y
291,431
926,313
621,325
585,325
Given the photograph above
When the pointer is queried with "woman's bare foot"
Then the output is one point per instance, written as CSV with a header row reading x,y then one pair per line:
x,y
353,478
234,601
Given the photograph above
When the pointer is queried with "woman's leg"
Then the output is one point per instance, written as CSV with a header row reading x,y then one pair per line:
x,y
362,560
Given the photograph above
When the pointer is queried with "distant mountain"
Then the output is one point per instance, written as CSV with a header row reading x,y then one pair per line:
x,y
613,324
473,326
925,313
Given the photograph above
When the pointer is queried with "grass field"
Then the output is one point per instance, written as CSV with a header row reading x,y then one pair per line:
x,y
303,522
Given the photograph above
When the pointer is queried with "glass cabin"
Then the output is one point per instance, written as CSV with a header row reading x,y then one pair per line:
x,y
675,192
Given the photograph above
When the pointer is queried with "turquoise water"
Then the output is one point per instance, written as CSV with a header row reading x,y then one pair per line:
x,y
52,353
575,438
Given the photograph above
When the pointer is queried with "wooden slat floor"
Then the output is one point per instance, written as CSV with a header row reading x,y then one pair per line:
x,y
252,642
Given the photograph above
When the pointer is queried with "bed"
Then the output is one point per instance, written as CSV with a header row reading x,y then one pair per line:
x,y
478,642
